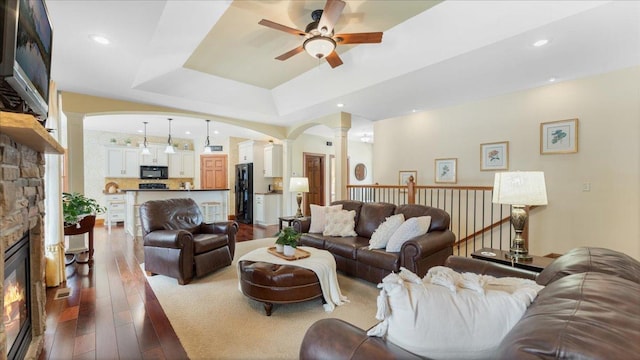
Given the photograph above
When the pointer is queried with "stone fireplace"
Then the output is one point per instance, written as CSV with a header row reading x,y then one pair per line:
x,y
23,143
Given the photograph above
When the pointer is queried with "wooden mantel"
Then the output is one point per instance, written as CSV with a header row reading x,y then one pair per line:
x,y
26,130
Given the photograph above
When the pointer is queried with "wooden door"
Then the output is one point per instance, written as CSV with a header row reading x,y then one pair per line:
x,y
213,172
314,171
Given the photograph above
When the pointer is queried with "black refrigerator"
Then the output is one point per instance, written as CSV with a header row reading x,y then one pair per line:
x,y
244,193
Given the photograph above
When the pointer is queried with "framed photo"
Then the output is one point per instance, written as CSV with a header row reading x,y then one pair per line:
x,y
559,137
446,170
404,176
494,156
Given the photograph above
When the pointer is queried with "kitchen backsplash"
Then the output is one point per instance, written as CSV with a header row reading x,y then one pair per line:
x,y
132,183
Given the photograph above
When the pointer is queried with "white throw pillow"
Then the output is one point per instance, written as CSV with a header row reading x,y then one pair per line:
x,y
433,321
318,216
341,223
383,233
409,229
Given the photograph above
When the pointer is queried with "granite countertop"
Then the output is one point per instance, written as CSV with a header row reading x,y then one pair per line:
x,y
270,193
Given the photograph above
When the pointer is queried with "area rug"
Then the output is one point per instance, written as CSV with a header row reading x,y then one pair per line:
x,y
214,320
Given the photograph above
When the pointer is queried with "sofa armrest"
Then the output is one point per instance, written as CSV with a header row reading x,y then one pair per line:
x,y
302,225
222,227
172,239
425,251
337,339
483,267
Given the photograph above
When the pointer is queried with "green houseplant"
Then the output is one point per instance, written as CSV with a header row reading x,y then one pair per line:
x,y
76,206
288,239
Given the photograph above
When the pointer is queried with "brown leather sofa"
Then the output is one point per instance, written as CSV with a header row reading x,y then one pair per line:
x,y
353,256
589,309
177,243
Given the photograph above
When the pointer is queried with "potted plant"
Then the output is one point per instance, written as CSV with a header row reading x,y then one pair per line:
x,y
76,207
288,240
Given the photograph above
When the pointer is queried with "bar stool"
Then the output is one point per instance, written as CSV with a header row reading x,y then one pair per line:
x,y
111,204
211,211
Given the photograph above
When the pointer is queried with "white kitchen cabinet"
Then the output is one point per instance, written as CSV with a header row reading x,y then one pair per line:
x,y
157,156
122,162
273,160
245,152
182,164
266,209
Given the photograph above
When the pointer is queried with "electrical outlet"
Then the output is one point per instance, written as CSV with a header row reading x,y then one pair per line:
x,y
586,187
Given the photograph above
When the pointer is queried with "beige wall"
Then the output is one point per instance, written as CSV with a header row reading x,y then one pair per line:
x,y
608,109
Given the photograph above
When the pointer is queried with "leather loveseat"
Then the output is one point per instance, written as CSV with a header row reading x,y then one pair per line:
x,y
177,243
589,309
353,256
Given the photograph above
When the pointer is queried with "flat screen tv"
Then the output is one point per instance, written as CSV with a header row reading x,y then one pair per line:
x,y
25,66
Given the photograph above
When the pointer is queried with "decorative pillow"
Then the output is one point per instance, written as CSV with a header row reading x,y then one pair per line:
x,y
318,216
437,323
409,229
383,233
340,223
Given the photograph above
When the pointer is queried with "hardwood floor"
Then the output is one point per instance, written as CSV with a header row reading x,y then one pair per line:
x,y
112,313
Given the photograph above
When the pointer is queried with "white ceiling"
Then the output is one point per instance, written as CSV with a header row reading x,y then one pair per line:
x,y
453,52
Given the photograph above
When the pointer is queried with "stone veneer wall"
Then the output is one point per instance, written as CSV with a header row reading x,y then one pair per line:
x,y
21,211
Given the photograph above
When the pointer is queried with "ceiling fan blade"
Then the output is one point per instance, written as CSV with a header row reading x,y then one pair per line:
x,y
358,38
334,59
330,15
276,26
290,53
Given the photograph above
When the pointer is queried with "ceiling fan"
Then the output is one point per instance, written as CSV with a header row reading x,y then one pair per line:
x,y
320,40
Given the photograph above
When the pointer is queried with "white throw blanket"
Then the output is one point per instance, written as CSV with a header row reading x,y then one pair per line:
x,y
321,262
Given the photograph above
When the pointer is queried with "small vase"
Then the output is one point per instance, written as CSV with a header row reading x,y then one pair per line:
x,y
289,250
279,248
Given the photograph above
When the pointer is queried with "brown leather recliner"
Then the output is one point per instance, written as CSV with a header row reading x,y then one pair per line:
x,y
177,243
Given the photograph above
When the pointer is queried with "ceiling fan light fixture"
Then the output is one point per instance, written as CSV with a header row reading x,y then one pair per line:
x,y
319,47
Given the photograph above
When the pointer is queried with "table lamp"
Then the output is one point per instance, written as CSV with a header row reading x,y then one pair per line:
x,y
299,185
519,189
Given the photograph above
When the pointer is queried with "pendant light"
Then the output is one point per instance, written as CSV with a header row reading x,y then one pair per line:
x,y
145,149
169,149
207,145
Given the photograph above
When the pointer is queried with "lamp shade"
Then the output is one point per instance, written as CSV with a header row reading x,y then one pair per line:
x,y
520,188
299,184
319,46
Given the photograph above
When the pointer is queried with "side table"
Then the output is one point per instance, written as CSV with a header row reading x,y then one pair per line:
x,y
537,263
289,220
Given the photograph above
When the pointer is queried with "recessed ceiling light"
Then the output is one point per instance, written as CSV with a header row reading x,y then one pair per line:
x,y
99,39
340,105
414,110
541,42
552,79
140,131
216,132
188,132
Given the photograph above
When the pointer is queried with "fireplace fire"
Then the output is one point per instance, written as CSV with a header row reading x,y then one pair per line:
x,y
17,312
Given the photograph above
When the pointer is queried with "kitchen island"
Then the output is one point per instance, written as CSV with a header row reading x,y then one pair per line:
x,y
136,197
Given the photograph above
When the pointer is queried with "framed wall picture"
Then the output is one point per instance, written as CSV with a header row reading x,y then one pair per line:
x,y
559,137
494,156
446,170
404,175
360,171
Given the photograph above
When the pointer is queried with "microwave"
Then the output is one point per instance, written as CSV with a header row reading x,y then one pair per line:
x,y
154,172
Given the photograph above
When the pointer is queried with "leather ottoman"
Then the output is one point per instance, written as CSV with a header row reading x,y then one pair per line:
x,y
277,284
